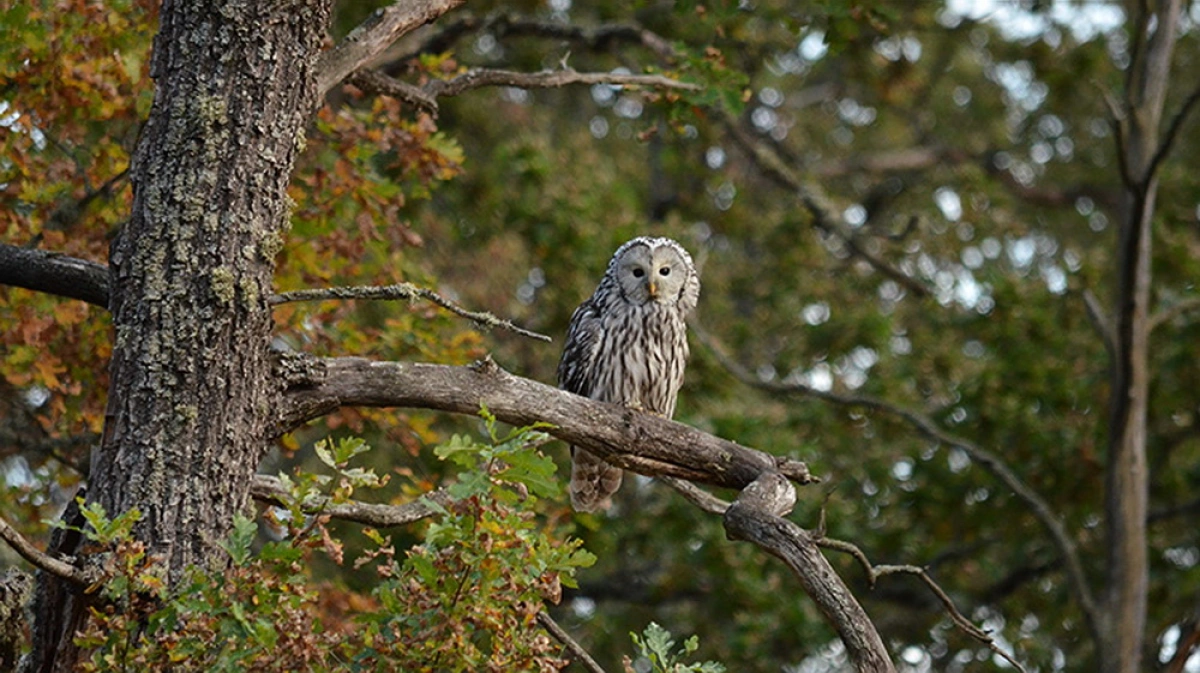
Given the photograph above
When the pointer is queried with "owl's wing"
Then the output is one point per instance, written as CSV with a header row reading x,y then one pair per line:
x,y
575,370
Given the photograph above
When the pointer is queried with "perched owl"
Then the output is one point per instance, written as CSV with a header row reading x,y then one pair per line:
x,y
627,344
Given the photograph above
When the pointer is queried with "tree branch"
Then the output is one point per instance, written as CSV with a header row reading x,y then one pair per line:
x,y
988,460
630,439
1100,323
581,655
1168,141
1174,311
874,572
42,560
425,97
755,517
54,273
547,79
406,291
813,198
373,36
270,490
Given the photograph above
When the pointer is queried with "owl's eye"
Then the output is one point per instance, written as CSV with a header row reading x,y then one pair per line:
x,y
638,273
665,271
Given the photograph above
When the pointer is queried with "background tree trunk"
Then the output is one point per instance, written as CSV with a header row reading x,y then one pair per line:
x,y
1126,488
191,274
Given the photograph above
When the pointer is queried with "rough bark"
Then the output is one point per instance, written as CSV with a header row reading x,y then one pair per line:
x,y
756,516
636,441
190,278
1126,488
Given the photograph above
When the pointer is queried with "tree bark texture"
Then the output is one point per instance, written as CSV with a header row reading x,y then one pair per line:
x,y
1126,487
190,276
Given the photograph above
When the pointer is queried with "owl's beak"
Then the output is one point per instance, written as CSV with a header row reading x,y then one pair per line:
x,y
653,288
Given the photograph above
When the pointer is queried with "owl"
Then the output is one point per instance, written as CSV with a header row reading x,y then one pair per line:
x,y
627,344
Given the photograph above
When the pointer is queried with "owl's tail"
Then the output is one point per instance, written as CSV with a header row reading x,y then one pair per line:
x,y
593,481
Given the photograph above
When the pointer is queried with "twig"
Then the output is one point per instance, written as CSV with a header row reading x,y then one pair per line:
x,y
547,79
1174,311
425,97
697,496
1095,314
41,559
406,291
374,81
581,655
1168,141
986,459
813,198
874,572
270,490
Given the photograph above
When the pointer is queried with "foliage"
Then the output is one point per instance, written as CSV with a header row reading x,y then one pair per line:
x,y
971,152
656,647
466,599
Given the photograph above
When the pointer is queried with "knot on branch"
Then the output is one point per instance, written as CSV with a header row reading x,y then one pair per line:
x,y
796,470
770,495
487,366
298,370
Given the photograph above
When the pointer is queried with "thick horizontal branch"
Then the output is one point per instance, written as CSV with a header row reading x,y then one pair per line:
x,y
270,490
42,560
54,273
369,40
630,439
405,291
73,278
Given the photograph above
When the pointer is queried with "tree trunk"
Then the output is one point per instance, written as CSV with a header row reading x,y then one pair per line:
x,y
191,274
1126,487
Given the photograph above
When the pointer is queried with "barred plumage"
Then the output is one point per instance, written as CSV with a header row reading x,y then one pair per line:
x,y
627,344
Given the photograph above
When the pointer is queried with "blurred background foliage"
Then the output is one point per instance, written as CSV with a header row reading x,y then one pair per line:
x,y
963,156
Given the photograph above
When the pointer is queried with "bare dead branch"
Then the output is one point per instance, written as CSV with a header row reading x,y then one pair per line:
x,y
54,273
369,40
425,97
1168,141
560,634
374,81
874,572
824,214
547,79
1095,314
270,490
406,291
1174,311
988,460
42,560
627,438
697,496
595,38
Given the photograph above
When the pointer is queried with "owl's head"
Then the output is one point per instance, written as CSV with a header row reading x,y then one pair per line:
x,y
655,270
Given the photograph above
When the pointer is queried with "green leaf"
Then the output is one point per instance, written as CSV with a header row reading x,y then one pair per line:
x,y
240,539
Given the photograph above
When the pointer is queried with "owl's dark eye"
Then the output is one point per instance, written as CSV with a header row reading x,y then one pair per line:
x,y
638,273
665,271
